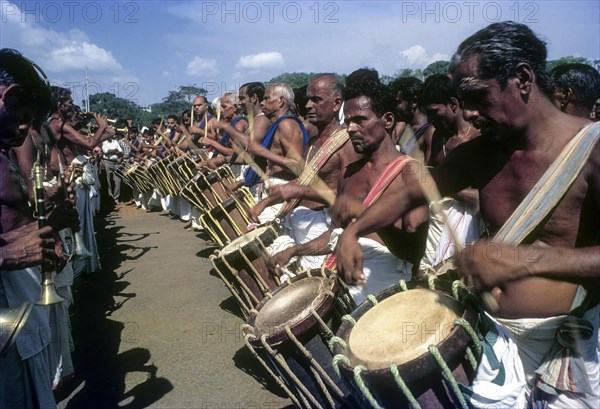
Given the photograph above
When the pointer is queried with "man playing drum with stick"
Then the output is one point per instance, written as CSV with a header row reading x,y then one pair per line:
x,y
282,145
542,267
307,219
368,114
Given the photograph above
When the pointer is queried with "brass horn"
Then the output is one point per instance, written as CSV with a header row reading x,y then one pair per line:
x,y
12,321
49,294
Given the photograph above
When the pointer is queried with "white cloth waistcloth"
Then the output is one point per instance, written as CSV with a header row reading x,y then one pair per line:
x,y
520,347
439,246
270,212
381,268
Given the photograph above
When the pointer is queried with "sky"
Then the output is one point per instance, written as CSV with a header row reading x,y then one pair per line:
x,y
140,50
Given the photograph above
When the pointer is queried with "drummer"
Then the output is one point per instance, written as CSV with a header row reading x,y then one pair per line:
x,y
282,145
309,219
500,72
368,112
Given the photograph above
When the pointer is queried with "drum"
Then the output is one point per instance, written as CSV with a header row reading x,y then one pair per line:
x,y
242,267
410,348
138,176
288,333
207,190
183,168
228,220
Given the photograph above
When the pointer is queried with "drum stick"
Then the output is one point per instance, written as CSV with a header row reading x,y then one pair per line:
x,y
433,196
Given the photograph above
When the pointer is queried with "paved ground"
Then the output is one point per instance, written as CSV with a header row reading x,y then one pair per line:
x,y
156,329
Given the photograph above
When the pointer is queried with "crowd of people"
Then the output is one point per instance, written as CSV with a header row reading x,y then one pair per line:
x,y
345,170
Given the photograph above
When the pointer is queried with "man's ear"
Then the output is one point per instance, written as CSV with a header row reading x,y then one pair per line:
x,y
388,120
525,77
454,104
337,104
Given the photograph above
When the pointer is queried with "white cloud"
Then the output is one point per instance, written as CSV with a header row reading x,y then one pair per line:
x,y
272,59
202,66
79,56
54,51
417,56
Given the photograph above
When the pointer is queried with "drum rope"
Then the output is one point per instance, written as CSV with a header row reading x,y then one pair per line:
x,y
263,248
474,337
434,351
245,308
322,323
264,364
412,401
277,356
403,285
372,298
358,369
247,292
318,372
336,340
262,284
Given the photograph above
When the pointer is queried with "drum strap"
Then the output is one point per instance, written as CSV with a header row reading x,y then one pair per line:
x,y
388,175
308,175
552,186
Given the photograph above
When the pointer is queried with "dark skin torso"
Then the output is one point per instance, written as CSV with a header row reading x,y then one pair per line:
x,y
504,177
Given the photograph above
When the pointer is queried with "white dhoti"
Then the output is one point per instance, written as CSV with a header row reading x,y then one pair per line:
x,y
185,210
507,377
381,268
462,220
270,212
303,225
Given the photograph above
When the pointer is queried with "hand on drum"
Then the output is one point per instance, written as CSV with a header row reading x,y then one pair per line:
x,y
486,264
279,261
345,210
350,259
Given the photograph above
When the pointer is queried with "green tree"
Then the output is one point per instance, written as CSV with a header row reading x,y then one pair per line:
x,y
567,60
177,101
115,107
294,80
438,67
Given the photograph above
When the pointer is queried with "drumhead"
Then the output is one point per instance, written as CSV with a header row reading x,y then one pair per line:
x,y
266,234
401,327
291,304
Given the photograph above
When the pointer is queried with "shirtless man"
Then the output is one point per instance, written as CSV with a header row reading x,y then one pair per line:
x,y
500,72
308,220
576,88
439,101
368,114
283,143
416,139
70,141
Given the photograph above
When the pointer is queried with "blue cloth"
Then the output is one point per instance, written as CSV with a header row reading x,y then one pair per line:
x,y
197,136
225,138
252,177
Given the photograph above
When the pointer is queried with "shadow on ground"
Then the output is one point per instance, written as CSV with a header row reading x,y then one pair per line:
x,y
100,369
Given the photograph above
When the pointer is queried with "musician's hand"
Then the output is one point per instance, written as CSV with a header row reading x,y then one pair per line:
x,y
345,209
293,165
34,248
278,261
63,217
350,259
255,212
101,120
486,264
61,259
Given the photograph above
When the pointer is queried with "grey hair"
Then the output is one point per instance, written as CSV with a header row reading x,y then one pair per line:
x,y
281,89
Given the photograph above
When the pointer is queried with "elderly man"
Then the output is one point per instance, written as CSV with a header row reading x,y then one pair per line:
x,y
541,277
